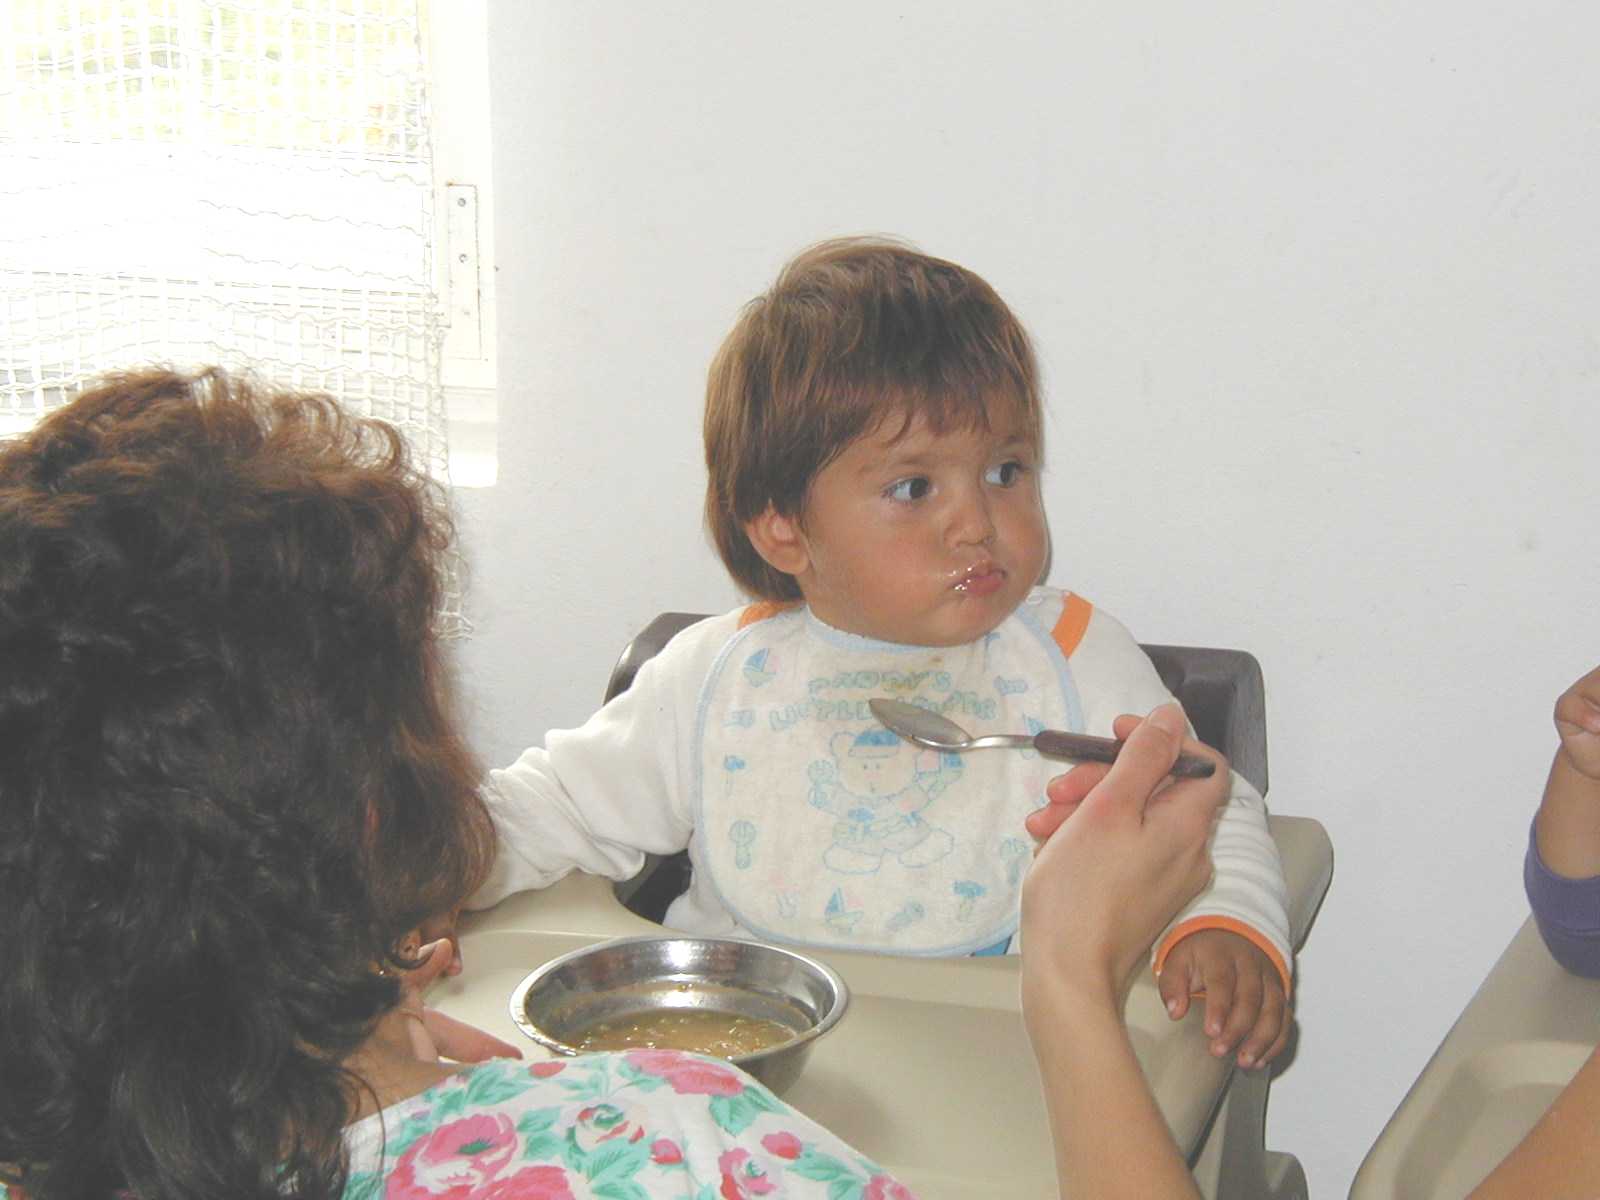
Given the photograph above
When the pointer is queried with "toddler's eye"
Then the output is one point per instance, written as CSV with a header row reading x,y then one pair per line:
x,y
1005,474
914,488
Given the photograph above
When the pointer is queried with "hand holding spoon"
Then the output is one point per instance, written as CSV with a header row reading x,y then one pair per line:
x,y
927,728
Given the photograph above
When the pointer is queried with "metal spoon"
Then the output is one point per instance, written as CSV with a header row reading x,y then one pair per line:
x,y
929,729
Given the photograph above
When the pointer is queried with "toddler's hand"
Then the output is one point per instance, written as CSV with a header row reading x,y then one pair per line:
x,y
1123,847
1578,723
1245,1004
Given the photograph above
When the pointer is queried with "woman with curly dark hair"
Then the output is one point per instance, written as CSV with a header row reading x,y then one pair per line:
x,y
231,786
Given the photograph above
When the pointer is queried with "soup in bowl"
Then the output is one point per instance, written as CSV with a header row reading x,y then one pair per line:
x,y
762,1007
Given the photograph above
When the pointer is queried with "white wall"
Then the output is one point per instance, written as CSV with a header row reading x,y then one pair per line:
x,y
1315,289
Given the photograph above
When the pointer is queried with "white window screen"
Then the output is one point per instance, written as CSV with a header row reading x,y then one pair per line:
x,y
193,182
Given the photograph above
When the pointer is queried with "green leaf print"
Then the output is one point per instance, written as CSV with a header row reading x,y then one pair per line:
x,y
620,1189
571,1153
584,1088
538,1120
413,1127
364,1185
824,1168
544,1148
844,1189
633,1077
451,1104
487,1088
763,1099
612,1161
585,1080
539,1142
734,1113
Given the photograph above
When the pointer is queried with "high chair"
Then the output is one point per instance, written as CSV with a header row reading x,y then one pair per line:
x,y
1518,1042
1223,694
930,1072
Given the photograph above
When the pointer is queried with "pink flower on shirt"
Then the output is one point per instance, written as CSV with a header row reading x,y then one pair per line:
x,y
744,1176
881,1187
547,1068
465,1160
456,1160
601,1123
666,1152
784,1145
530,1183
688,1076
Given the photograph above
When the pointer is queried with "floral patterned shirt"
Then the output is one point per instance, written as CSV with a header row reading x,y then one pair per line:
x,y
629,1126
626,1126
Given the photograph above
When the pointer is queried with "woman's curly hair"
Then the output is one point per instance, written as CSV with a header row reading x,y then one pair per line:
x,y
230,781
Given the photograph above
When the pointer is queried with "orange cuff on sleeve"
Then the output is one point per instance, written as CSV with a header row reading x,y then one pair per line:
x,y
1196,924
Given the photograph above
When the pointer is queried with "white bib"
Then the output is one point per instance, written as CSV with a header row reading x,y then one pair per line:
x,y
822,828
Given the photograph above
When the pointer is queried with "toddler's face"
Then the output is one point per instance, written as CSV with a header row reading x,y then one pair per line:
x,y
927,538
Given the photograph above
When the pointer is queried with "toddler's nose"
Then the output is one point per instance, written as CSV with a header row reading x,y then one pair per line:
x,y
973,523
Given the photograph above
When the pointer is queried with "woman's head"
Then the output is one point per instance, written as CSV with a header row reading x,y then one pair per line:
x,y
229,778
857,335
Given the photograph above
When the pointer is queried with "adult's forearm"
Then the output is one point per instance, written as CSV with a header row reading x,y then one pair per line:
x,y
1111,1140
1560,1157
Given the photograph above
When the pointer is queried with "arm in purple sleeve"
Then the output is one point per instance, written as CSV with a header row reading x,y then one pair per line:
x,y
1567,912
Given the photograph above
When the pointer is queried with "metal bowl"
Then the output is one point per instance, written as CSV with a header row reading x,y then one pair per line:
x,y
631,976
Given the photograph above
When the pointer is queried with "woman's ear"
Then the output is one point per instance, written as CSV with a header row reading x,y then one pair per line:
x,y
779,540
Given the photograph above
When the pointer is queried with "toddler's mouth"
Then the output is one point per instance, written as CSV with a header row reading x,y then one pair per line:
x,y
980,579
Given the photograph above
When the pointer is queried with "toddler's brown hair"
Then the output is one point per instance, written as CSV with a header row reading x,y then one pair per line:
x,y
855,332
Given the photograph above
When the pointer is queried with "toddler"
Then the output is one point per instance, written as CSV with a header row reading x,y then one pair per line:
x,y
873,437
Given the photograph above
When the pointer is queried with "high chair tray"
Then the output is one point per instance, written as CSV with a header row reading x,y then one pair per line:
x,y
929,1073
1517,1044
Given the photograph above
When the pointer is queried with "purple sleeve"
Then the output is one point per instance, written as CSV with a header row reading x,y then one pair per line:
x,y
1567,912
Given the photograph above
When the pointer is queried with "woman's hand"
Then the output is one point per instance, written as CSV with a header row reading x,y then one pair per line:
x,y
1124,848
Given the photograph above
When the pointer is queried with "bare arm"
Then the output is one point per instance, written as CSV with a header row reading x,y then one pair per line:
x,y
1560,1157
1125,848
1110,1138
1567,827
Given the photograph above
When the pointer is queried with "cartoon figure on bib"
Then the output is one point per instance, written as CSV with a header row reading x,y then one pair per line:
x,y
878,786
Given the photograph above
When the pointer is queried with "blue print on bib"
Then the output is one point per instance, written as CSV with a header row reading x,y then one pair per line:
x,y
759,670
969,890
839,916
876,787
743,835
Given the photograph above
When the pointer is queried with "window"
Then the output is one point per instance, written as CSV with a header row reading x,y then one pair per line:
x,y
250,183
464,230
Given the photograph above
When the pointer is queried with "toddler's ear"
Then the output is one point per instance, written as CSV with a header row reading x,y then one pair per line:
x,y
779,540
